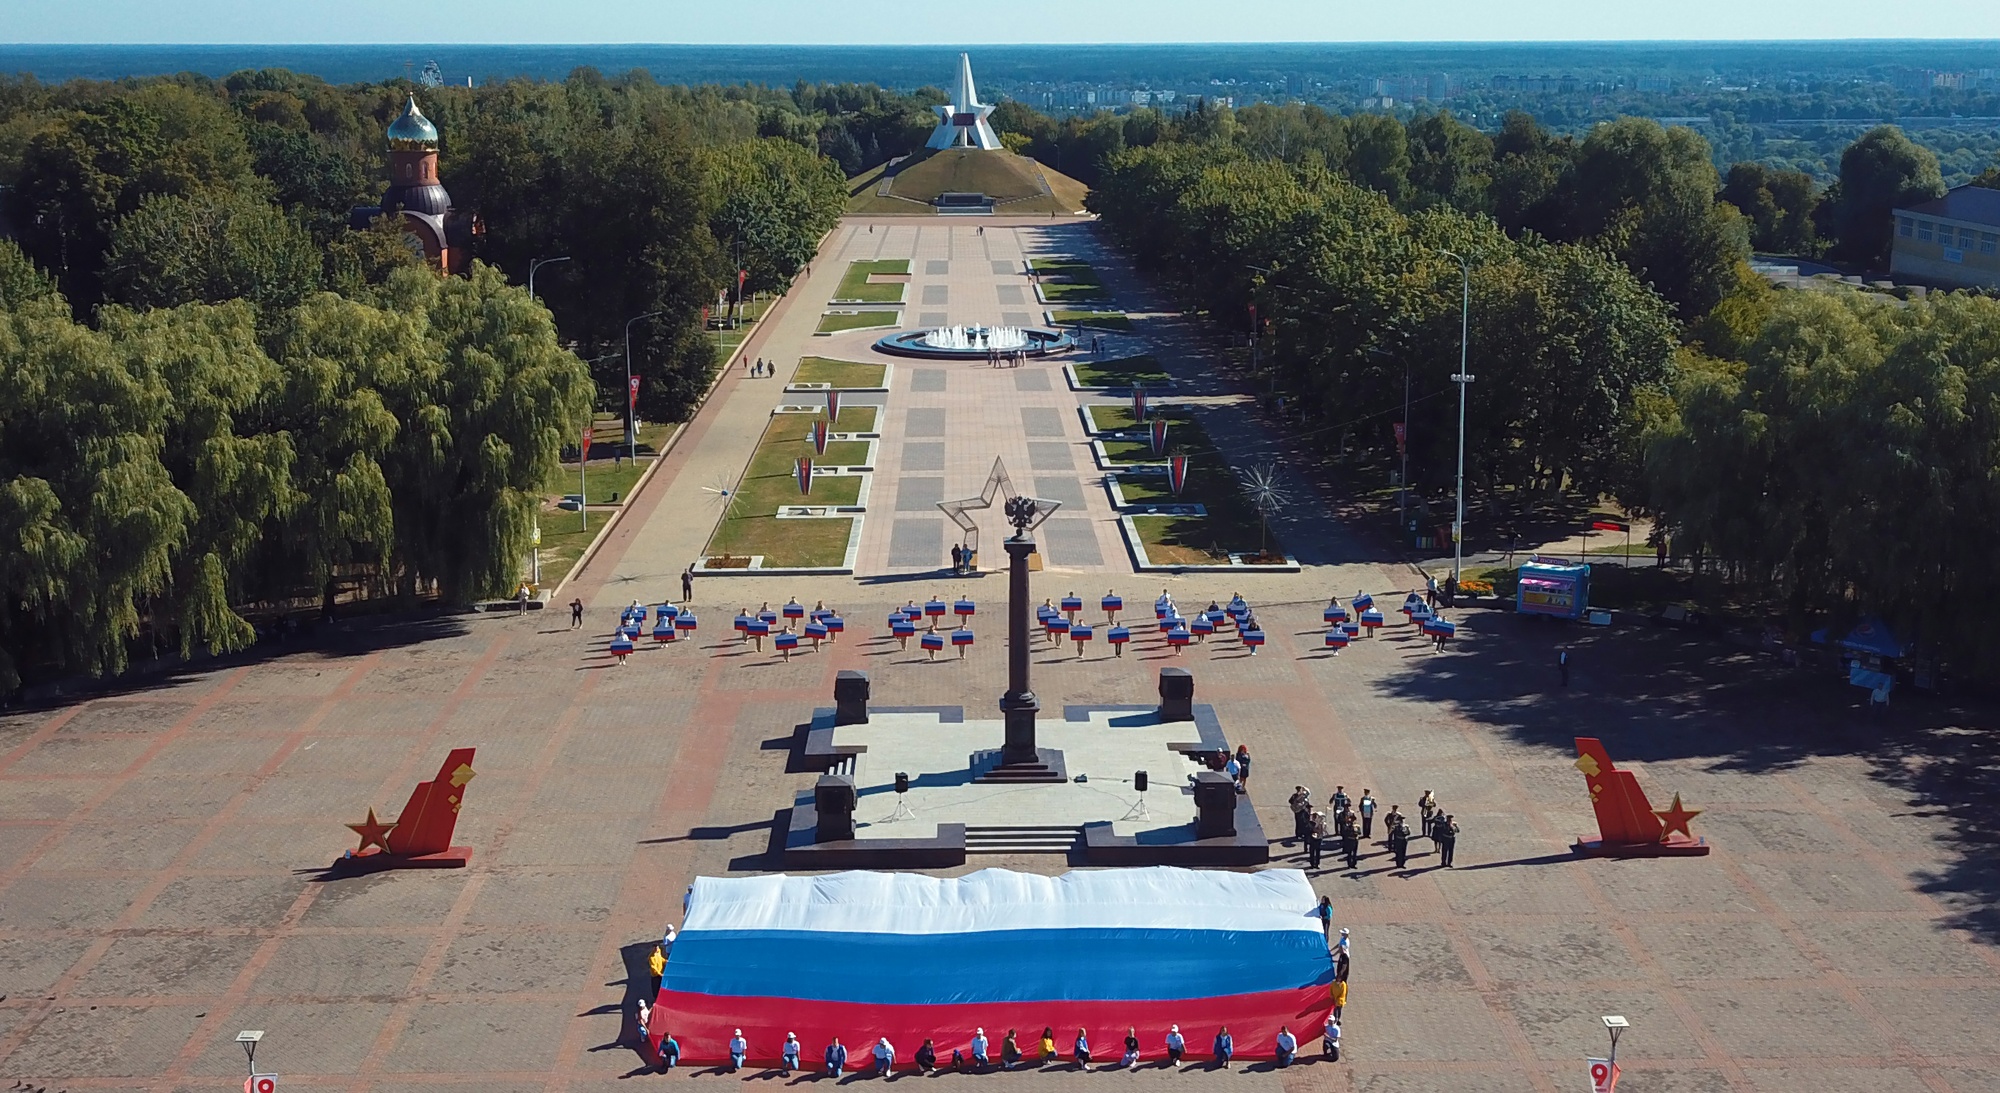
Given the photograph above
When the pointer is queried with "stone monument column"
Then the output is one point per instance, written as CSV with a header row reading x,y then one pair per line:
x,y
1019,705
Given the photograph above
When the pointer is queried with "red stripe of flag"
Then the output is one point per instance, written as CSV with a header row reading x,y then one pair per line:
x,y
1609,525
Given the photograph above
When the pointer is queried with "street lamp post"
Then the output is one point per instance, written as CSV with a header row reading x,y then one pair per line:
x,y
1254,340
631,403
537,263
1462,378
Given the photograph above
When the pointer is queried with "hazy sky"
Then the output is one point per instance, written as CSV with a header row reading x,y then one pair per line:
x,y
992,21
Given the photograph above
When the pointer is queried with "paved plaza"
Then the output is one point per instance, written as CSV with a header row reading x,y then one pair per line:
x,y
162,846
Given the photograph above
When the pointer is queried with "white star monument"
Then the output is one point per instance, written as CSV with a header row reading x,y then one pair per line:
x,y
963,123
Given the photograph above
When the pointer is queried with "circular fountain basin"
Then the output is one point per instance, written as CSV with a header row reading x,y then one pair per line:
x,y
968,343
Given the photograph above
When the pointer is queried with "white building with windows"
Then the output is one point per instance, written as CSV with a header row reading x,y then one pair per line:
x,y
1953,240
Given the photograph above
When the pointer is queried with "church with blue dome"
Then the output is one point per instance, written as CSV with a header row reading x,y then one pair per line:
x,y
441,233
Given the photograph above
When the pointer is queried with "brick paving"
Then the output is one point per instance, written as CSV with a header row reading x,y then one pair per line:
x,y
160,847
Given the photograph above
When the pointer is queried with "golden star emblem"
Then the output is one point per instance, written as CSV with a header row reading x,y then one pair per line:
x,y
1588,765
462,775
373,832
1676,818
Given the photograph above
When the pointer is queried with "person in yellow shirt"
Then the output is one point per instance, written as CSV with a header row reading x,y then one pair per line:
x,y
1339,997
657,962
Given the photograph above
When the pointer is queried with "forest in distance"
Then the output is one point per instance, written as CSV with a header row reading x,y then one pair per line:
x,y
1788,105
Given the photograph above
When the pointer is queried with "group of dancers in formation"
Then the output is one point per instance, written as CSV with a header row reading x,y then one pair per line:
x,y
793,622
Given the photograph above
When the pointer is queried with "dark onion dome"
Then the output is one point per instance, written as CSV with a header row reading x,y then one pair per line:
x,y
412,130
430,198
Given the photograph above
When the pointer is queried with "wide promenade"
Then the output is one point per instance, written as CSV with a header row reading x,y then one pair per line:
x,y
161,846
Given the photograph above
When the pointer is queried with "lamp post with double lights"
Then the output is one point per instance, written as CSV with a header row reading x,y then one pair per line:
x,y
1462,378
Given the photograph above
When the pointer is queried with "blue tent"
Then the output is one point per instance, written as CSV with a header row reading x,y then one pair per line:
x,y
1870,635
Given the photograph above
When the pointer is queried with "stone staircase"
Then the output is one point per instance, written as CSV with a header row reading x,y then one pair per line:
x,y
1051,839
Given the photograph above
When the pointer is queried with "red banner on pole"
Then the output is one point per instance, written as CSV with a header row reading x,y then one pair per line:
x,y
587,430
1138,404
1159,436
632,395
820,434
1603,1075
1177,469
1609,525
832,405
741,276
1402,437
805,473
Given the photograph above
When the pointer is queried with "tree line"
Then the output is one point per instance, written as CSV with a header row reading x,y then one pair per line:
x,y
1835,449
215,394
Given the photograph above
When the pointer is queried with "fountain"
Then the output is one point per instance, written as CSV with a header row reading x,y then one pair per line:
x,y
975,342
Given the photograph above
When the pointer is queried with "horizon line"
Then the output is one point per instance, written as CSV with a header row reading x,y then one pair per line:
x,y
1036,45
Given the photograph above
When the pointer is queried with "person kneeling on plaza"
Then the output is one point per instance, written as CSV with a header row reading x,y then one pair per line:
x,y
1131,1059
979,1048
927,1058
1288,1045
1082,1050
1225,1047
1010,1051
836,1057
789,1061
1048,1045
738,1048
885,1057
1176,1047
1330,1040
670,1053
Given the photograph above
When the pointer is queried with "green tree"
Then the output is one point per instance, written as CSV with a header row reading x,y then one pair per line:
x,y
1647,193
1378,155
775,201
209,247
1779,205
1881,171
1451,163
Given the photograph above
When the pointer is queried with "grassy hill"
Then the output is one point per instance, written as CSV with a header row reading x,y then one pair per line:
x,y
1016,183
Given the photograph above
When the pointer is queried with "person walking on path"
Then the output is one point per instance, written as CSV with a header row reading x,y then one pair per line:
x,y
1447,841
1562,664
670,1053
957,559
1367,814
1324,912
1176,1047
1225,1046
738,1048
1301,803
836,1058
687,584
1243,768
788,1061
1287,1045
575,614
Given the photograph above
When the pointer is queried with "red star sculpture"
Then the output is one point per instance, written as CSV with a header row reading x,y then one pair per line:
x,y
1676,818
373,832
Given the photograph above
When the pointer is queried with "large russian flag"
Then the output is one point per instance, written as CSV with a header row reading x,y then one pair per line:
x,y
862,955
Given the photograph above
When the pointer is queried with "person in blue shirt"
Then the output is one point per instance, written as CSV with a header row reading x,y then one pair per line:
x,y
1082,1050
1288,1045
670,1053
1176,1047
979,1051
789,1061
738,1048
836,1057
1225,1046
